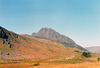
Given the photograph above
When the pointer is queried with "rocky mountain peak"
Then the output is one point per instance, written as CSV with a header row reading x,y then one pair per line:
x,y
51,34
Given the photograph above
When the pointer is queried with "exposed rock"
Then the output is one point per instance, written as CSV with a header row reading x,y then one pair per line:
x,y
8,42
8,54
10,46
3,41
3,34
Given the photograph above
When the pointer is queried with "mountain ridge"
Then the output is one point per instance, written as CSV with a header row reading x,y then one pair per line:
x,y
15,47
51,34
93,49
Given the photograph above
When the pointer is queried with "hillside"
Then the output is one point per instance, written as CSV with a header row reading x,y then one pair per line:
x,y
14,46
50,34
94,49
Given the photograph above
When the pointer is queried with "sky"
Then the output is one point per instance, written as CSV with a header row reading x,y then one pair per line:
x,y
77,19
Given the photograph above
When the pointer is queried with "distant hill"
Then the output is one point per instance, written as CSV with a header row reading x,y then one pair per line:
x,y
14,46
50,34
94,49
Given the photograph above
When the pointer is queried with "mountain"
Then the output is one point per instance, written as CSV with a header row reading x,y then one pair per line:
x,y
94,49
14,46
50,34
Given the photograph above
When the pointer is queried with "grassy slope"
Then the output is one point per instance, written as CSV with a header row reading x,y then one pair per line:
x,y
42,48
27,47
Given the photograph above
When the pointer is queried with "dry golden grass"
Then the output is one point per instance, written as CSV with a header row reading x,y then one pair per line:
x,y
40,48
61,63
50,65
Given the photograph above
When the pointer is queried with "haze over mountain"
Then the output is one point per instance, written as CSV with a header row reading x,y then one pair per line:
x,y
94,49
14,46
50,34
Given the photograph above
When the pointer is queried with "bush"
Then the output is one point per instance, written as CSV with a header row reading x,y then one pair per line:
x,y
98,59
76,51
36,64
86,54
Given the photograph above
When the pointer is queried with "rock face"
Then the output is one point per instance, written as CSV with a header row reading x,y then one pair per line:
x,y
94,49
50,34
7,36
3,34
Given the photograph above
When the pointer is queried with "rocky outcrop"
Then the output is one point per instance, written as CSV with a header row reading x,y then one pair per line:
x,y
7,36
3,34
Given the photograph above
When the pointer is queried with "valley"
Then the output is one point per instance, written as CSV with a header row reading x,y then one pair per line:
x,y
43,51
53,63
